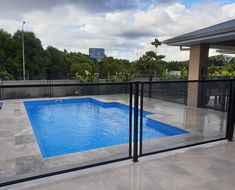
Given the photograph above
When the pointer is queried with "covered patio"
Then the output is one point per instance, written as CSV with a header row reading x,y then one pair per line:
x,y
220,37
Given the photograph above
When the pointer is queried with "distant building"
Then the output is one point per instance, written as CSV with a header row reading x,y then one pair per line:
x,y
175,73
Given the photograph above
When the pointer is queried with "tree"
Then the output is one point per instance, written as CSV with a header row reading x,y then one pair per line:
x,y
8,54
79,62
110,66
34,54
218,60
150,63
4,75
79,68
156,43
229,67
57,63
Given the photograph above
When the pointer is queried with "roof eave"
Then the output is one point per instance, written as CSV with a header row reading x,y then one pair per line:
x,y
200,40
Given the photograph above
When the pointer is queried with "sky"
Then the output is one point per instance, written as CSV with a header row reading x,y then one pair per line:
x,y
125,28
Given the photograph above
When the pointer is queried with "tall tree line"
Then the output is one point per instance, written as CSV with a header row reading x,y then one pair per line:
x,y
39,61
59,64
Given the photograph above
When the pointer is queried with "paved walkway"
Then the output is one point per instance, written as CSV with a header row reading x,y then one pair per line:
x,y
210,167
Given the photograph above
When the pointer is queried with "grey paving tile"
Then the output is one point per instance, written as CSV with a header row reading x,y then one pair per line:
x,y
24,139
28,164
30,149
6,133
7,151
8,169
191,170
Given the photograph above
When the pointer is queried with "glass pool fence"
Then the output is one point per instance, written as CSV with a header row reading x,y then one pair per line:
x,y
50,129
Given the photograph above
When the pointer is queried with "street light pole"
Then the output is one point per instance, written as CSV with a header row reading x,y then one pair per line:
x,y
23,50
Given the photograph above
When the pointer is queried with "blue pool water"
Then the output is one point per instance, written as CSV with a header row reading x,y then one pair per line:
x,y
74,125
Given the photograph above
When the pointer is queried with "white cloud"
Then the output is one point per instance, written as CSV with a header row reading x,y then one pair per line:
x,y
123,33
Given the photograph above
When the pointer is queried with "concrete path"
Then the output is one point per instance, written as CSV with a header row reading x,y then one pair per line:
x,y
210,167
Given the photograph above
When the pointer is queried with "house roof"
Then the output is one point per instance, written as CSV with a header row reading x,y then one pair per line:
x,y
216,36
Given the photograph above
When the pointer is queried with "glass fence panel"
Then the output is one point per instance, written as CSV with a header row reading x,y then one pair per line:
x,y
25,92
167,123
87,125
215,95
91,89
172,92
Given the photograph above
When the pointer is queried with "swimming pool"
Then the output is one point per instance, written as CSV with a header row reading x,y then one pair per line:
x,y
75,125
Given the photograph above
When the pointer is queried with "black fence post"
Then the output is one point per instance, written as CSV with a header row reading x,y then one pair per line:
x,y
136,105
1,91
231,112
130,121
141,117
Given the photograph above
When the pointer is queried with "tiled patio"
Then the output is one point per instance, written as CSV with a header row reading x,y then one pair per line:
x,y
20,155
204,168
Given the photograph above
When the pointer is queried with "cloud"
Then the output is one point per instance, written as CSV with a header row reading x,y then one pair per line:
x,y
16,8
124,29
113,5
134,34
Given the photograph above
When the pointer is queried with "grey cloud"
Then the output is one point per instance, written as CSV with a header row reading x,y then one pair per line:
x,y
134,34
105,5
112,5
16,8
